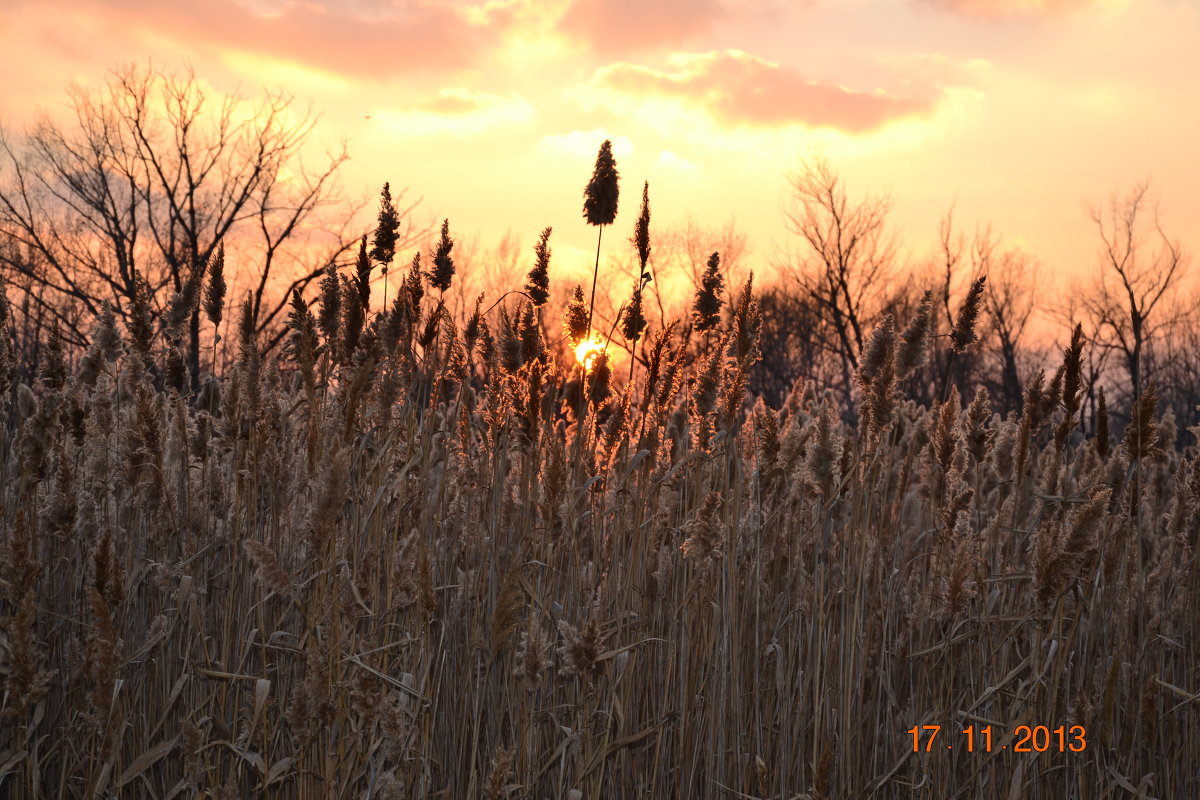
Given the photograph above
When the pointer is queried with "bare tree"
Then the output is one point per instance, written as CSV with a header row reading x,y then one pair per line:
x,y
950,366
1140,267
1010,302
791,349
484,268
147,180
1179,373
846,253
687,246
30,315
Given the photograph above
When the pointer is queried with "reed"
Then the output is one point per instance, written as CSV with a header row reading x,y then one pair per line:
x,y
396,561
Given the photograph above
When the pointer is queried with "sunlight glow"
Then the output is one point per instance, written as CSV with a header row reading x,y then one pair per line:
x,y
587,351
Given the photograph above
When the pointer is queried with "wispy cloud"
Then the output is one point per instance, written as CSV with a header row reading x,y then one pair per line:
x,y
584,144
457,112
620,27
362,39
736,88
668,159
1001,9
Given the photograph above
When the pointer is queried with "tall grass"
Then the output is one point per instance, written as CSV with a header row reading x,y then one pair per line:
x,y
401,563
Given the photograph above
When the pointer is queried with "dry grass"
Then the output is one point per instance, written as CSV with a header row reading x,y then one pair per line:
x,y
398,564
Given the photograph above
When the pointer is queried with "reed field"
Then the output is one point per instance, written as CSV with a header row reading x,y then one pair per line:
x,y
427,555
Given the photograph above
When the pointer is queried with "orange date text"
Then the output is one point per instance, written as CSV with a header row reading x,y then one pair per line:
x,y
1023,739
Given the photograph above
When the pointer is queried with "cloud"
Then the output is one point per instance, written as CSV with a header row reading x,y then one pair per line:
x,y
738,89
585,144
1002,9
456,112
368,38
618,27
668,159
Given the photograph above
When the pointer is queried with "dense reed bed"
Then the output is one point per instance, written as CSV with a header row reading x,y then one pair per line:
x,y
418,557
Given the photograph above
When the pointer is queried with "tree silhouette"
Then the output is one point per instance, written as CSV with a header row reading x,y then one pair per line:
x,y
846,253
1140,267
148,179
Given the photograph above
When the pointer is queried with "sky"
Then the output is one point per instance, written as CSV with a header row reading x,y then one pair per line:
x,y
1018,113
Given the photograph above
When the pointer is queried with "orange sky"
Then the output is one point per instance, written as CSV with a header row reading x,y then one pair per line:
x,y
1017,111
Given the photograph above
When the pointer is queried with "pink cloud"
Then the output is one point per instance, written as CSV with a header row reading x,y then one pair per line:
x,y
364,39
617,27
1000,9
740,89
450,104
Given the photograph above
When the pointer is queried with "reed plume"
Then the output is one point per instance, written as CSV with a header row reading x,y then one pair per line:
x,y
633,323
383,243
214,293
141,320
1141,434
330,317
964,335
706,308
600,207
362,276
877,377
538,284
575,318
8,362
443,264
914,339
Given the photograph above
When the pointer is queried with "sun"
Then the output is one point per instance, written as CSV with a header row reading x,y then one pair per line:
x,y
587,351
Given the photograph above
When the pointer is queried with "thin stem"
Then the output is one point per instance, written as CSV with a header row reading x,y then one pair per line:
x,y
632,360
595,276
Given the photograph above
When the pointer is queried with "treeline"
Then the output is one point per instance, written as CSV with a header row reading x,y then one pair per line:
x,y
155,185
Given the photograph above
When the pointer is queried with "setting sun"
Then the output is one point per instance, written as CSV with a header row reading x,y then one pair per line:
x,y
587,351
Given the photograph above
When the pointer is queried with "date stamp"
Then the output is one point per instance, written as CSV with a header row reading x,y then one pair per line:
x,y
1022,739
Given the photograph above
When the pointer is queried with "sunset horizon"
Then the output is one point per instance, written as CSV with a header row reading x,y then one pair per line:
x,y
477,108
